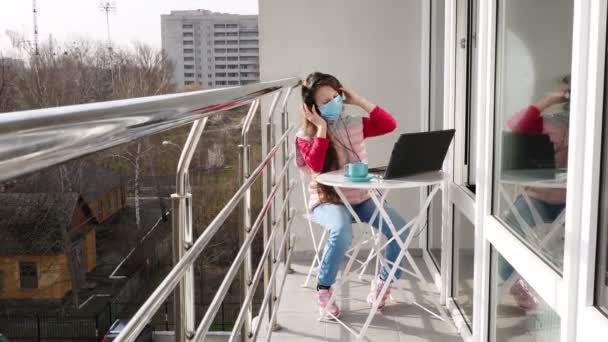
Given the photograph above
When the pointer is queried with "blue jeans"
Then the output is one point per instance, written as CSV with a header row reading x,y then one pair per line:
x,y
337,219
548,212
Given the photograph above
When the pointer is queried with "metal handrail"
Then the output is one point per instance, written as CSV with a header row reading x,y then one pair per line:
x,y
207,320
34,139
240,320
162,292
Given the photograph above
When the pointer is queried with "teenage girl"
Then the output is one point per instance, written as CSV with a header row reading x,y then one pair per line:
x,y
328,140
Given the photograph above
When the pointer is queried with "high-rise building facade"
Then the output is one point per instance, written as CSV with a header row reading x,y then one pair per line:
x,y
211,49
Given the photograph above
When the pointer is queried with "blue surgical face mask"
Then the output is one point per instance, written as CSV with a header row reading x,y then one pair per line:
x,y
332,109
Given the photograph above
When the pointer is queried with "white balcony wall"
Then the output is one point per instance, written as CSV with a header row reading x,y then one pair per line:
x,y
373,47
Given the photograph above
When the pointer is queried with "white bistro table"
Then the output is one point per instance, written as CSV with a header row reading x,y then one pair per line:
x,y
378,190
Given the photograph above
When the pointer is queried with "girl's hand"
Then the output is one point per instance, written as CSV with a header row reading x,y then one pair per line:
x,y
350,97
313,117
353,98
553,99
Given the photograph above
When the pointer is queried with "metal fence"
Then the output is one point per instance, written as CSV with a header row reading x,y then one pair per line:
x,y
39,328
36,139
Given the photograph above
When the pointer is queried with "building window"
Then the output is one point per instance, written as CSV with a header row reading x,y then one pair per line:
x,y
219,34
233,58
188,59
189,82
233,82
210,84
232,25
220,74
28,275
220,67
188,74
233,42
232,34
199,75
188,42
233,74
219,26
233,50
188,51
233,67
249,42
249,50
188,34
220,58
219,42
187,26
220,50
220,83
188,66
531,120
210,75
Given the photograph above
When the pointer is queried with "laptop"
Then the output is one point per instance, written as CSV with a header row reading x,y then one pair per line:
x,y
527,151
415,153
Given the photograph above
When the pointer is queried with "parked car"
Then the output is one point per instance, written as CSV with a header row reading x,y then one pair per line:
x,y
120,324
3,338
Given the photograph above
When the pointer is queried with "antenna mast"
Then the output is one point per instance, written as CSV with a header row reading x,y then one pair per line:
x,y
35,17
108,7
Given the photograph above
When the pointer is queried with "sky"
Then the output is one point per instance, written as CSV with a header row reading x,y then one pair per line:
x,y
134,20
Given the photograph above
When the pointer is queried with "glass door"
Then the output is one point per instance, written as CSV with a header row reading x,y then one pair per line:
x,y
592,320
461,191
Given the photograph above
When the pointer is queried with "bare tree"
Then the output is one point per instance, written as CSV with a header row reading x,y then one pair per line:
x,y
142,71
135,160
85,71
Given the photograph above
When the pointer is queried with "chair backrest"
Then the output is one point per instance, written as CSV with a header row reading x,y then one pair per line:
x,y
304,181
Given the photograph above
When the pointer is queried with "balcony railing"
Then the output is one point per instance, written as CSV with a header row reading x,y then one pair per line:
x,y
36,139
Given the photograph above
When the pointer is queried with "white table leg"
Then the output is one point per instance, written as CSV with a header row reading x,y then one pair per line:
x,y
404,252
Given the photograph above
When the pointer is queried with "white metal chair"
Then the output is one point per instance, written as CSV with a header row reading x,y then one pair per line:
x,y
318,242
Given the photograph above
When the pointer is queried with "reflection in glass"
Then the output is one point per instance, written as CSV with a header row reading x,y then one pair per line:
x,y
601,278
510,321
532,120
436,120
464,243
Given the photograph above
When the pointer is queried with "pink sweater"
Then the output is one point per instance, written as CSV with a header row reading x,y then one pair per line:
x,y
310,152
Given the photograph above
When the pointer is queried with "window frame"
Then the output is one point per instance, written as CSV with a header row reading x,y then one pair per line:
x,y
34,278
591,321
576,287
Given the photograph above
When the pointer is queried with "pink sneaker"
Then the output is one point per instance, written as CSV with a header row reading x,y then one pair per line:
x,y
523,295
371,297
323,297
